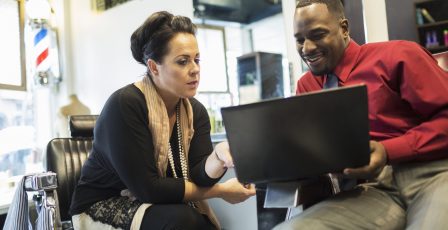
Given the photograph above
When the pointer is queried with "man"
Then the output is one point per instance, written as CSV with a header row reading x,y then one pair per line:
x,y
408,113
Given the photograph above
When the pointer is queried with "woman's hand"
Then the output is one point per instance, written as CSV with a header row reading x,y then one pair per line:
x,y
234,192
378,159
222,152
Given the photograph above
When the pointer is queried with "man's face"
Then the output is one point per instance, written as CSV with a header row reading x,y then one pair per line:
x,y
321,37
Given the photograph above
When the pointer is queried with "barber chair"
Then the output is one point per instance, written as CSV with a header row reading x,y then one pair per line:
x,y
442,60
65,157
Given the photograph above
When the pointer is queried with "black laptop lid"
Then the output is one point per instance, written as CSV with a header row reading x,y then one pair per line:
x,y
299,137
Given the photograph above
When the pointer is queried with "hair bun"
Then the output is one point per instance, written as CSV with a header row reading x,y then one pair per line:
x,y
144,33
151,39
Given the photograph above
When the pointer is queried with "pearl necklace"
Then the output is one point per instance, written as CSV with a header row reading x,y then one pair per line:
x,y
183,161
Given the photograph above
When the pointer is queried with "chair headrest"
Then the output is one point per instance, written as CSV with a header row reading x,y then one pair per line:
x,y
82,125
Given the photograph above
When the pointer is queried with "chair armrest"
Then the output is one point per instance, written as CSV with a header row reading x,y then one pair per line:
x,y
41,181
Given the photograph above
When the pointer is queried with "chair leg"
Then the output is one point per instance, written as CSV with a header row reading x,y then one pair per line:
x,y
47,206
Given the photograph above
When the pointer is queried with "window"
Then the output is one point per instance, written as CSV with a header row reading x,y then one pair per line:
x,y
213,59
213,90
19,151
12,56
25,120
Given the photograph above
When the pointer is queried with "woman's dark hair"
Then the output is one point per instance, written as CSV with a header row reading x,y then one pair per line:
x,y
335,7
150,40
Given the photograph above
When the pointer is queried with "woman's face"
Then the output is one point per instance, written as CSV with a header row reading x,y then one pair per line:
x,y
177,76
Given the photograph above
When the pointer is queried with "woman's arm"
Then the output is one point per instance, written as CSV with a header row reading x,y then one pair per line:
x,y
231,191
218,161
205,168
209,164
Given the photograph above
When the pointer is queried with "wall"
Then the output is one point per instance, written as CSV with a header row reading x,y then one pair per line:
x,y
375,20
95,46
269,35
294,62
98,54
401,20
354,14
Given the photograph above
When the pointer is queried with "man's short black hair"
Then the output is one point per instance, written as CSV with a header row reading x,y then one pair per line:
x,y
334,6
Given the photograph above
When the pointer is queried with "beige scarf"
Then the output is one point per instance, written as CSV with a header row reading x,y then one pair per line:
x,y
159,126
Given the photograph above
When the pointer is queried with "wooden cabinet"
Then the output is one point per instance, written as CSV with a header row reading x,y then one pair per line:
x,y
260,76
432,24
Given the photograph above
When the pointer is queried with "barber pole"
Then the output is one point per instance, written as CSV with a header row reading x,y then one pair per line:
x,y
41,54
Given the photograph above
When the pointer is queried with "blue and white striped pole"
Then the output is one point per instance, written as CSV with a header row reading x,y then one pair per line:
x,y
41,47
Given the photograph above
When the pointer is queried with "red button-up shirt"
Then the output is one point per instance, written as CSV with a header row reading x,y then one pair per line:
x,y
408,97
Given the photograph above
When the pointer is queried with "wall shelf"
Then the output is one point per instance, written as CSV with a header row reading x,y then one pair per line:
x,y
432,31
433,24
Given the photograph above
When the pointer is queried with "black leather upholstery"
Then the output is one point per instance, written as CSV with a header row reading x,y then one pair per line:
x,y
82,125
65,157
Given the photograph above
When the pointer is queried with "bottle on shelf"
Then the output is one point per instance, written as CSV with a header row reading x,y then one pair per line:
x,y
431,22
419,16
445,37
211,115
219,128
428,43
435,40
215,119
427,16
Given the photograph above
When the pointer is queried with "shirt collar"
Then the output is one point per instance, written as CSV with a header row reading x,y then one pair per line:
x,y
348,60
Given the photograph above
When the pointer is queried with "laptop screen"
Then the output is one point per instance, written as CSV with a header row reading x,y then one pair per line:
x,y
299,137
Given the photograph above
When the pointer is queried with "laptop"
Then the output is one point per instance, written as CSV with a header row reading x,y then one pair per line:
x,y
299,137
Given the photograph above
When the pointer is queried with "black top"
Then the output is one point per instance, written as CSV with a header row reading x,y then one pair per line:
x,y
123,155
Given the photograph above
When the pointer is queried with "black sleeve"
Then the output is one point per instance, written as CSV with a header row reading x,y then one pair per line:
x,y
122,136
201,146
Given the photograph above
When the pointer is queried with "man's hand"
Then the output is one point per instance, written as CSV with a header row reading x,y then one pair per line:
x,y
378,159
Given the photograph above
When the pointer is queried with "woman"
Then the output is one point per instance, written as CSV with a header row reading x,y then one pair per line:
x,y
152,143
